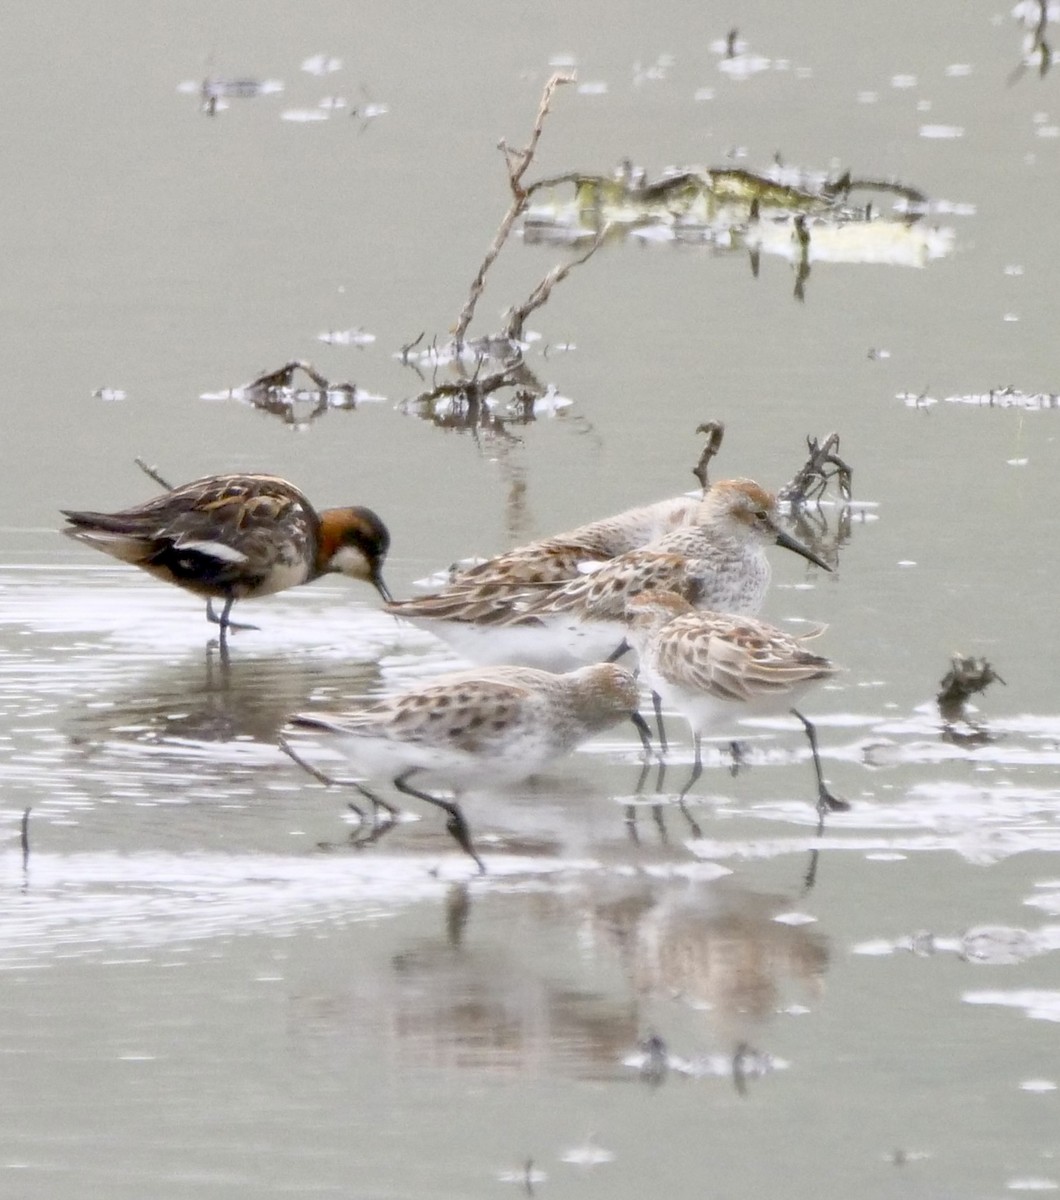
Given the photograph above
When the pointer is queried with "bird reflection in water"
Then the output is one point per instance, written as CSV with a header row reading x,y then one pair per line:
x,y
714,948
212,700
590,977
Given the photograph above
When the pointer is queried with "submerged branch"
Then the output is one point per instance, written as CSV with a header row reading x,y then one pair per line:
x,y
823,465
540,294
517,162
715,431
152,473
1036,46
24,837
965,678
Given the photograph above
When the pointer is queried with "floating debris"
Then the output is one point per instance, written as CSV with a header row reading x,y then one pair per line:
x,y
743,66
275,392
510,396
589,1154
346,337
106,393
304,116
369,111
527,1176
656,1063
654,72
998,945
1003,397
813,477
965,678
801,216
214,94
490,399
1035,15
495,348
899,1157
321,64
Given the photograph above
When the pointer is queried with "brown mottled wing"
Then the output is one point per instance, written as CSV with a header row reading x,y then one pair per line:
x,y
735,658
471,713
549,561
230,503
219,532
603,595
481,604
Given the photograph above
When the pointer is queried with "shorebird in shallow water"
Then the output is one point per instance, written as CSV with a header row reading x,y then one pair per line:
x,y
717,668
717,561
565,556
481,728
236,537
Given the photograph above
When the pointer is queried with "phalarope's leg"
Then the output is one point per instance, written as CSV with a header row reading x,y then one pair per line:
x,y
223,619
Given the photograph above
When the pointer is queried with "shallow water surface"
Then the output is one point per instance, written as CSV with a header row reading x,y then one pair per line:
x,y
216,982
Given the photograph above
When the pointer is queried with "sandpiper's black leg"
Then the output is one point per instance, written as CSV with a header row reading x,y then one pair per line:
x,y
641,726
456,825
697,770
377,802
826,802
656,700
656,809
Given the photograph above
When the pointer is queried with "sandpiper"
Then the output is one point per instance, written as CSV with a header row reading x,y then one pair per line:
x,y
716,668
482,728
718,562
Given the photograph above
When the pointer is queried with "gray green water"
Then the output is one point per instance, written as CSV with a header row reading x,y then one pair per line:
x,y
201,1000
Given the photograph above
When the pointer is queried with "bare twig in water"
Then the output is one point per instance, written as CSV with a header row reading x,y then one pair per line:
x,y
152,473
541,293
1036,45
408,347
283,377
715,431
656,1063
517,162
823,465
802,271
25,837
964,679
471,391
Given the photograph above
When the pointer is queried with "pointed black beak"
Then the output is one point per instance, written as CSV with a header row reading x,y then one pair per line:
x,y
376,580
790,543
622,648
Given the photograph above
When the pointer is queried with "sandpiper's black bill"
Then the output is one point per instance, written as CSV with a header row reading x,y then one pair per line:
x,y
790,543
622,648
